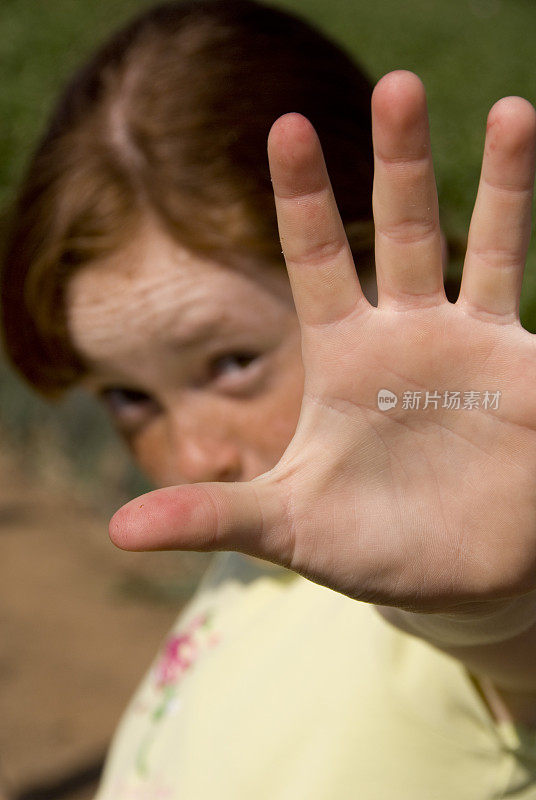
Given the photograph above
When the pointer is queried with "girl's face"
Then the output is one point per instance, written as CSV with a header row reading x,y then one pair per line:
x,y
199,365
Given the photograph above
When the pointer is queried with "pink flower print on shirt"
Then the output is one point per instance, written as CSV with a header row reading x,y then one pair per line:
x,y
179,654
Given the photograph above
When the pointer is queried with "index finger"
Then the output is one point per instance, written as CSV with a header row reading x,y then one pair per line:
x,y
319,261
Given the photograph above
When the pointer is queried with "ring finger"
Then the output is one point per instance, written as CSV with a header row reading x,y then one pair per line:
x,y
500,227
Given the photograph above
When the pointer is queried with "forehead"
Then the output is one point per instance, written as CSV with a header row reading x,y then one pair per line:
x,y
155,291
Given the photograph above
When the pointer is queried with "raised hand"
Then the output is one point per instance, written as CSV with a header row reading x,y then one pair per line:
x,y
427,508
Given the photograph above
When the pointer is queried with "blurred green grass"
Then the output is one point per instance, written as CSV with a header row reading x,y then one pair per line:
x,y
469,53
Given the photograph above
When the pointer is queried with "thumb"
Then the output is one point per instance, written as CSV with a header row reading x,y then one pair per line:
x,y
244,516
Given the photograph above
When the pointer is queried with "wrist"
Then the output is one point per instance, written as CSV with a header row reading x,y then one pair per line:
x,y
473,625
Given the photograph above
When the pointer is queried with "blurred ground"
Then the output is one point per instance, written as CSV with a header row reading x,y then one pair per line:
x,y
80,623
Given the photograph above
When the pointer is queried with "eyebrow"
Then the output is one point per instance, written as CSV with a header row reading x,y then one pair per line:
x,y
194,337
199,334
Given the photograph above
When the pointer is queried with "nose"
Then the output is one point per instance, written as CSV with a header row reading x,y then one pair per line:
x,y
201,460
196,456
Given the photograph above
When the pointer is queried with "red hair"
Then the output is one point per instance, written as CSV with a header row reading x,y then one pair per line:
x,y
170,118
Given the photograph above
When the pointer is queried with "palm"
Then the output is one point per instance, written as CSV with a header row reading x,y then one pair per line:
x,y
418,507
423,508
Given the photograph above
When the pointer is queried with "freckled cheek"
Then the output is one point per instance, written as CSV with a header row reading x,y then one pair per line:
x,y
281,417
149,450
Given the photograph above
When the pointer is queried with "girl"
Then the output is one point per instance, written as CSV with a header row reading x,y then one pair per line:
x,y
364,464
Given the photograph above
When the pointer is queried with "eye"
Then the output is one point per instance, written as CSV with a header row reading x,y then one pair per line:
x,y
234,367
128,407
231,362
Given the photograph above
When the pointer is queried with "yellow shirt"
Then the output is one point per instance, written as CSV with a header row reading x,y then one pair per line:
x,y
270,687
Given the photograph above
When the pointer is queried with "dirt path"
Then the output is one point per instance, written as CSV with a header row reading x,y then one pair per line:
x,y
80,623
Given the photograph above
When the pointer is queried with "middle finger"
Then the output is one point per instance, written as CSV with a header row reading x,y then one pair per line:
x,y
408,239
